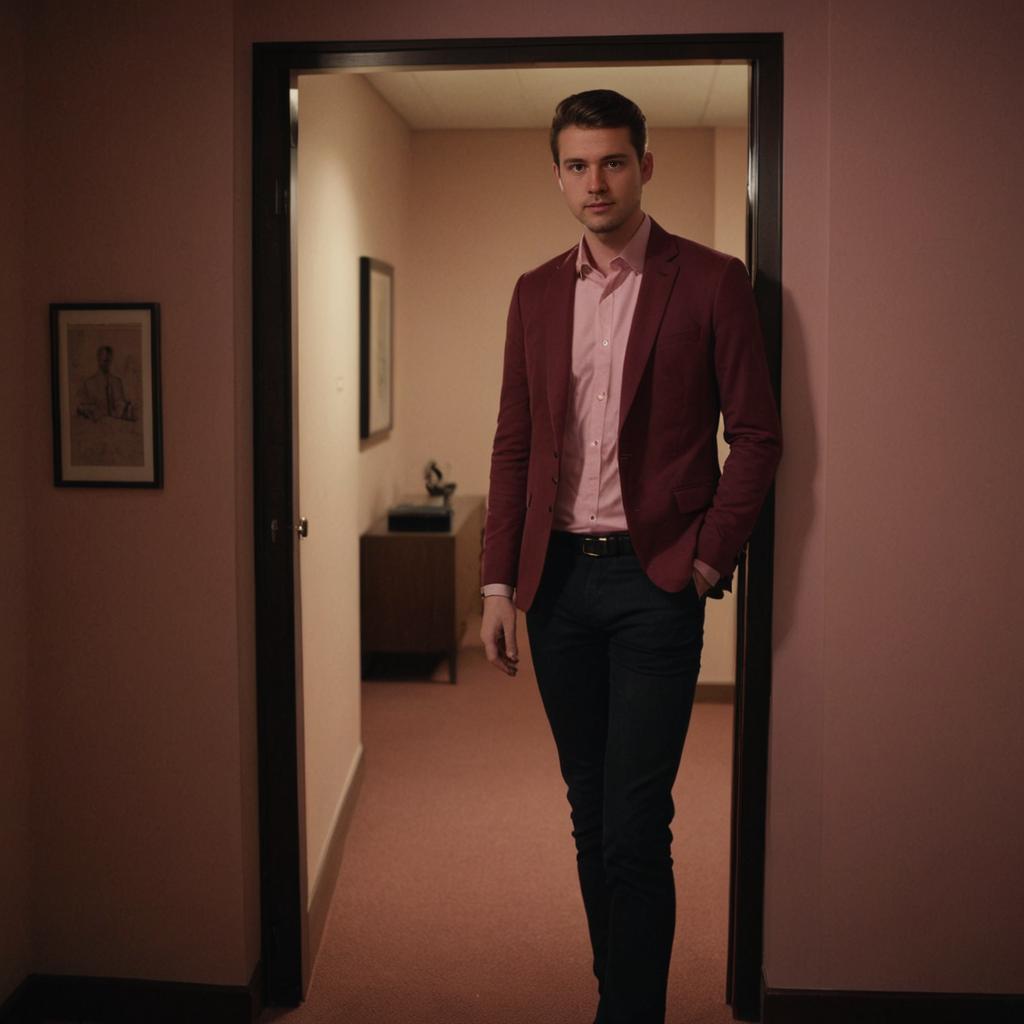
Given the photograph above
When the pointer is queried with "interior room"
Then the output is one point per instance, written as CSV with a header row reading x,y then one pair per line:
x,y
445,175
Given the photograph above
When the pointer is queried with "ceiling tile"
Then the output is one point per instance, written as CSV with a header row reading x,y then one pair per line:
x,y
670,95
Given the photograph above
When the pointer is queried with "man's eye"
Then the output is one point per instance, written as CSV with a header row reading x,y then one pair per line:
x,y
576,167
614,164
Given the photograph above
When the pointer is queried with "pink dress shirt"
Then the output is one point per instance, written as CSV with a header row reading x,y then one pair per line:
x,y
589,494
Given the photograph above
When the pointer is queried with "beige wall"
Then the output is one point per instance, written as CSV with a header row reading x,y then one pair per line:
x,y
354,173
893,852
367,186
490,210
485,209
731,191
718,658
15,944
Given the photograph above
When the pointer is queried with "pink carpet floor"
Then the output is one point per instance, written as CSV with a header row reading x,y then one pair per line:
x,y
457,901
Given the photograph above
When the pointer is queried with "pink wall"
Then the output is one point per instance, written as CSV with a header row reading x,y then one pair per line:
x,y
139,759
893,852
922,839
15,946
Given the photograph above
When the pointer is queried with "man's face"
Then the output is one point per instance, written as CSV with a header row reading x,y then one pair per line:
x,y
104,357
602,179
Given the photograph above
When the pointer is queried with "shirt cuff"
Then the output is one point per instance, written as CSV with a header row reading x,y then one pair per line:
x,y
497,590
711,575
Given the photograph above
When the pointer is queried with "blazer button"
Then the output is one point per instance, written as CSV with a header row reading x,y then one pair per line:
x,y
554,479
549,508
556,455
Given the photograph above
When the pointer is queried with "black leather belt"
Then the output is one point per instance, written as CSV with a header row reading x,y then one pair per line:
x,y
595,545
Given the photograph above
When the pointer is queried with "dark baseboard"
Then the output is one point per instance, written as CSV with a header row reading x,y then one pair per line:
x,y
46,997
320,900
799,1006
16,1007
715,693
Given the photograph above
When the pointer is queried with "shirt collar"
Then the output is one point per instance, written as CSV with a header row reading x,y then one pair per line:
x,y
632,255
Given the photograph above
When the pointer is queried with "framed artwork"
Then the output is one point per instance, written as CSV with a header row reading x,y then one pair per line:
x,y
105,360
376,352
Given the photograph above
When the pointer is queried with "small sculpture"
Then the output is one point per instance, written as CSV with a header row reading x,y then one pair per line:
x,y
432,477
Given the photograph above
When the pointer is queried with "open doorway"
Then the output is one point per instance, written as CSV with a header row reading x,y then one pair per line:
x,y
289,864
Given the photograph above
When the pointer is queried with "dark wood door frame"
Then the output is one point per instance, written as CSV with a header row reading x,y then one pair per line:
x,y
275,66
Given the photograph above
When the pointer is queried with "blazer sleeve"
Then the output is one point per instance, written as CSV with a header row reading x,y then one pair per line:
x,y
751,419
510,458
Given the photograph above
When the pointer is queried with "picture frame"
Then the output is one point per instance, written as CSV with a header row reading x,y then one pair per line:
x,y
376,348
105,377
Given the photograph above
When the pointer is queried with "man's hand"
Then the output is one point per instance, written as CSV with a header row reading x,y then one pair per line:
x,y
498,633
700,583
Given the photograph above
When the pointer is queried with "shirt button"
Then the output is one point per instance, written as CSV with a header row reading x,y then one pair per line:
x,y
600,396
593,444
604,342
592,518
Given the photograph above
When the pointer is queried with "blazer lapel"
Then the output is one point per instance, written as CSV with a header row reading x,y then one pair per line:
x,y
661,267
559,300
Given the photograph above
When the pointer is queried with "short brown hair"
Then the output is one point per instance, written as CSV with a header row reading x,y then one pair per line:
x,y
600,108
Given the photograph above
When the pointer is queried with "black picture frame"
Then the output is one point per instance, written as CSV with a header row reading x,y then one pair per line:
x,y
106,394
376,348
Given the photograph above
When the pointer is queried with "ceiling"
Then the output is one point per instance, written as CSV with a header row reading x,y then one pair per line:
x,y
670,95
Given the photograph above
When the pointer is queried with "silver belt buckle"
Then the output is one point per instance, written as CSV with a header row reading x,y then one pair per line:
x,y
595,540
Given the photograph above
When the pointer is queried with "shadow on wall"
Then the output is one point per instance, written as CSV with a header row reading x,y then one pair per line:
x,y
797,421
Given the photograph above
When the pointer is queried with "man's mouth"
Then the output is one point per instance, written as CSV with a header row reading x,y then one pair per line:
x,y
598,206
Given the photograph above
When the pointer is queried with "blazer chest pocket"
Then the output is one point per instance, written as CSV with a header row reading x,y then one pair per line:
x,y
696,497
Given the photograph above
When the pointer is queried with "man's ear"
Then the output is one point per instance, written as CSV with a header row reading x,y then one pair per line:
x,y
646,168
558,176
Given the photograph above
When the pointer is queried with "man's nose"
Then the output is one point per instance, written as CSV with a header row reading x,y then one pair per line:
x,y
595,180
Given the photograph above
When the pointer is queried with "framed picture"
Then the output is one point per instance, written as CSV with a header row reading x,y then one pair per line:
x,y
376,353
105,360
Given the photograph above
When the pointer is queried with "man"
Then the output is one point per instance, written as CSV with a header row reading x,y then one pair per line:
x,y
102,394
608,517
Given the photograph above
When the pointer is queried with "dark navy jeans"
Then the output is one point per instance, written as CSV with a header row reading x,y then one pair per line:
x,y
617,660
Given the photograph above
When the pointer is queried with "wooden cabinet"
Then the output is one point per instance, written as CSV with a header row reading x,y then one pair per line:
x,y
417,590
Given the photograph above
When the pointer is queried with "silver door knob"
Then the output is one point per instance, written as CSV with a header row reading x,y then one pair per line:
x,y
302,527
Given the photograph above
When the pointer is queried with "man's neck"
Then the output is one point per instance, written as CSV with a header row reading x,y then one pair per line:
x,y
606,246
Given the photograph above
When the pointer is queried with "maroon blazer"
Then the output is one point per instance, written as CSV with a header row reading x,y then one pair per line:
x,y
694,350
